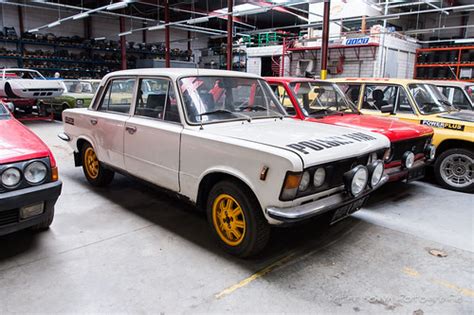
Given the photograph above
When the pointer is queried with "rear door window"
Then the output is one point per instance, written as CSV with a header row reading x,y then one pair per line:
x,y
118,96
376,96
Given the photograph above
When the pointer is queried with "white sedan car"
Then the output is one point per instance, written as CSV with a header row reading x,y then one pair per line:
x,y
223,141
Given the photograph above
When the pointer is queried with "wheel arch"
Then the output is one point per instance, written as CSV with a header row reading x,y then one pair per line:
x,y
80,142
213,177
453,144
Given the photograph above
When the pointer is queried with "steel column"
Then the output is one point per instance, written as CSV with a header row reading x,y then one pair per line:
x,y
230,8
282,62
123,48
325,43
20,19
167,36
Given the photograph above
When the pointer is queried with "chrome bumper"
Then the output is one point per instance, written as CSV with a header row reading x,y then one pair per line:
x,y
318,207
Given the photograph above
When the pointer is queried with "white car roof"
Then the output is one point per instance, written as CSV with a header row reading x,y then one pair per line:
x,y
451,83
175,73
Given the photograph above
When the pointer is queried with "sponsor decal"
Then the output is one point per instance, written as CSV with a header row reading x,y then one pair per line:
x,y
442,125
356,41
330,142
69,120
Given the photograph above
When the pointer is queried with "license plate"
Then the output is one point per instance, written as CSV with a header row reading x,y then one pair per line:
x,y
415,174
345,211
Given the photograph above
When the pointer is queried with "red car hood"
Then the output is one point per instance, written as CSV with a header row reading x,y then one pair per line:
x,y
392,128
18,143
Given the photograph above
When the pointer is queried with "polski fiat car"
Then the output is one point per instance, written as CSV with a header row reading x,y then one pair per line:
x,y
323,102
29,184
222,140
422,103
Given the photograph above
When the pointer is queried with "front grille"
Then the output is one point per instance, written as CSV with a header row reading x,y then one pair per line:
x,y
9,217
416,145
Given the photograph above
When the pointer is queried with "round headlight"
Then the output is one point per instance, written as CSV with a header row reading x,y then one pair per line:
x,y
358,182
79,102
11,177
377,173
319,177
372,158
408,159
35,172
430,152
304,183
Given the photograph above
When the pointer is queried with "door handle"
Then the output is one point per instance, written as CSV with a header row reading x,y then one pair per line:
x,y
131,130
93,122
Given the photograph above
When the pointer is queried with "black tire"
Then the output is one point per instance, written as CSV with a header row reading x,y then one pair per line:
x,y
441,175
103,177
45,224
257,230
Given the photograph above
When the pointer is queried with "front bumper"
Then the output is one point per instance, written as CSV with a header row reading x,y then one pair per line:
x,y
12,201
318,207
399,173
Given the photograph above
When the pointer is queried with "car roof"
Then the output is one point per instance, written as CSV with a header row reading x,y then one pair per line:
x,y
378,80
451,83
175,73
294,79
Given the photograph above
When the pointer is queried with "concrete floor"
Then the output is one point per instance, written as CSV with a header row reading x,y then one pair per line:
x,y
129,248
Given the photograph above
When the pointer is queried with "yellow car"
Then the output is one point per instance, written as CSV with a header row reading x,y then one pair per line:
x,y
422,103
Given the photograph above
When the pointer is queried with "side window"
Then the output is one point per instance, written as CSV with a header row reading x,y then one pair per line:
x,y
352,92
156,99
459,99
376,96
118,96
403,103
283,97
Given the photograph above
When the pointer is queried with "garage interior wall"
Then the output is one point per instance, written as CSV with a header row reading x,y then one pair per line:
x,y
101,26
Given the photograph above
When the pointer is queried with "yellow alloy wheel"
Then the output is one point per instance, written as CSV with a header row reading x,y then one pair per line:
x,y
228,219
91,163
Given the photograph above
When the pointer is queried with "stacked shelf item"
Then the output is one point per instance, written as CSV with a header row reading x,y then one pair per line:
x,y
445,63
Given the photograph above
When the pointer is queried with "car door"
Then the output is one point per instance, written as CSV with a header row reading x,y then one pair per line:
x,y
108,122
152,135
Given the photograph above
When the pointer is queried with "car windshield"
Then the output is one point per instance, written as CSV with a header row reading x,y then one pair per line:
x,y
429,99
320,99
78,87
214,98
470,91
3,111
23,74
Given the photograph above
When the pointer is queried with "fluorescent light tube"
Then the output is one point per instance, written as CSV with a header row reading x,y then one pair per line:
x,y
157,27
54,24
203,19
464,40
99,38
125,33
117,6
80,16
34,30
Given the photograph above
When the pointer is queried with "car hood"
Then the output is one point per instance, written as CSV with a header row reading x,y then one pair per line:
x,y
462,115
18,143
314,143
392,128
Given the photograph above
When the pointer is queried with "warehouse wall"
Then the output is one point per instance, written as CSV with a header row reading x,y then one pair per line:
x,y
102,25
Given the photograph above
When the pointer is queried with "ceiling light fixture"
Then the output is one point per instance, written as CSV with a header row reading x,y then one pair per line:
x,y
79,16
34,30
125,33
99,38
157,27
117,5
198,20
56,23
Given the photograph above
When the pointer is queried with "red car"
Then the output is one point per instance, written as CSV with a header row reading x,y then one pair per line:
x,y
323,102
29,183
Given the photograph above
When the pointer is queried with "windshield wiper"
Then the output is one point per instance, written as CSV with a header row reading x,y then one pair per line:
x,y
325,112
448,105
224,111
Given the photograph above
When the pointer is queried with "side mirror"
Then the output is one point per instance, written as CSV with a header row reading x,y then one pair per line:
x,y
387,109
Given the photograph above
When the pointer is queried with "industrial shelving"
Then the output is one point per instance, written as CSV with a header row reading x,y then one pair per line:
x,y
444,63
